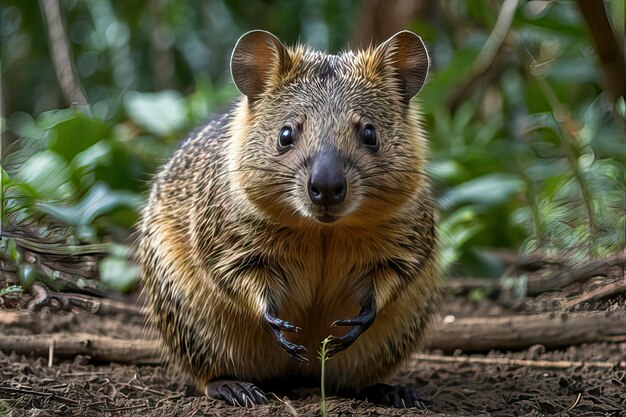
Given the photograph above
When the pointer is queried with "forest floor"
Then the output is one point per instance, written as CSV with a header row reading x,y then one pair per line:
x,y
477,384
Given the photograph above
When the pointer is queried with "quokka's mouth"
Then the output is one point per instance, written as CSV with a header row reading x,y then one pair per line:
x,y
327,218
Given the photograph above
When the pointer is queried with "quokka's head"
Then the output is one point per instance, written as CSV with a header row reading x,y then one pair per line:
x,y
328,139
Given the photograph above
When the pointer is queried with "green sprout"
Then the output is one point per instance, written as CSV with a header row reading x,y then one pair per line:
x,y
323,356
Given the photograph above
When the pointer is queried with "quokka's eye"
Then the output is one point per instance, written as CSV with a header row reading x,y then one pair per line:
x,y
369,137
285,139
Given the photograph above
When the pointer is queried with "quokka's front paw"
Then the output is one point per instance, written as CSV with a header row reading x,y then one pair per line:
x,y
359,325
277,327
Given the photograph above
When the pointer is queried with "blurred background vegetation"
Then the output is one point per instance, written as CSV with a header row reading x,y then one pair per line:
x,y
524,105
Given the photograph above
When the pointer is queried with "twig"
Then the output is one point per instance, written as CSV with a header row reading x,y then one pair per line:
x,y
43,297
128,408
607,290
488,53
60,50
515,362
169,395
83,302
51,353
101,306
569,128
59,250
574,405
51,395
35,323
496,37
285,401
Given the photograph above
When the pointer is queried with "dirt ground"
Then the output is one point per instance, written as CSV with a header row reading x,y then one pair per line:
x,y
28,387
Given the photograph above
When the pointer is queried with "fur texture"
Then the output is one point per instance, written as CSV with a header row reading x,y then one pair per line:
x,y
229,230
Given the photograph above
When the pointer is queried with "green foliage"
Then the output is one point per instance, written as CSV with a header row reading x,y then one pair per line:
x,y
115,272
13,289
456,230
64,174
527,152
536,157
161,113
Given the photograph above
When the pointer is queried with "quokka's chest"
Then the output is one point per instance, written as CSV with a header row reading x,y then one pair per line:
x,y
316,295
324,283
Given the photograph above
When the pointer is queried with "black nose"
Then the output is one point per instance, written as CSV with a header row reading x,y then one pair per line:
x,y
327,182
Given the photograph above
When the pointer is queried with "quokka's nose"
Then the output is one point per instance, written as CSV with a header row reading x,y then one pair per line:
x,y
327,182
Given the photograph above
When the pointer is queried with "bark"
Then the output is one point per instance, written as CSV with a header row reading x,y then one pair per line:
x,y
100,348
480,334
380,19
530,363
476,334
608,290
539,283
546,275
610,51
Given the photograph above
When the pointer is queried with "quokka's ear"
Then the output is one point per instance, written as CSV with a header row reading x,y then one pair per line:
x,y
259,60
406,54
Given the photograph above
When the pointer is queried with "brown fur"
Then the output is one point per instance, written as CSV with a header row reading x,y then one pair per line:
x,y
229,228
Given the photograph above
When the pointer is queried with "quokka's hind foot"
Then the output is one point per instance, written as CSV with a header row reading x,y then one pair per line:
x,y
238,393
392,395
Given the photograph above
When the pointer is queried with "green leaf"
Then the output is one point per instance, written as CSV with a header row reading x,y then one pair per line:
x,y
51,119
448,170
76,134
23,125
455,231
48,174
463,117
118,273
161,113
88,160
26,274
489,190
98,201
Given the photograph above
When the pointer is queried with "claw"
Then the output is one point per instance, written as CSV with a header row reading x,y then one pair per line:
x,y
241,394
277,327
396,396
355,321
359,325
277,323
